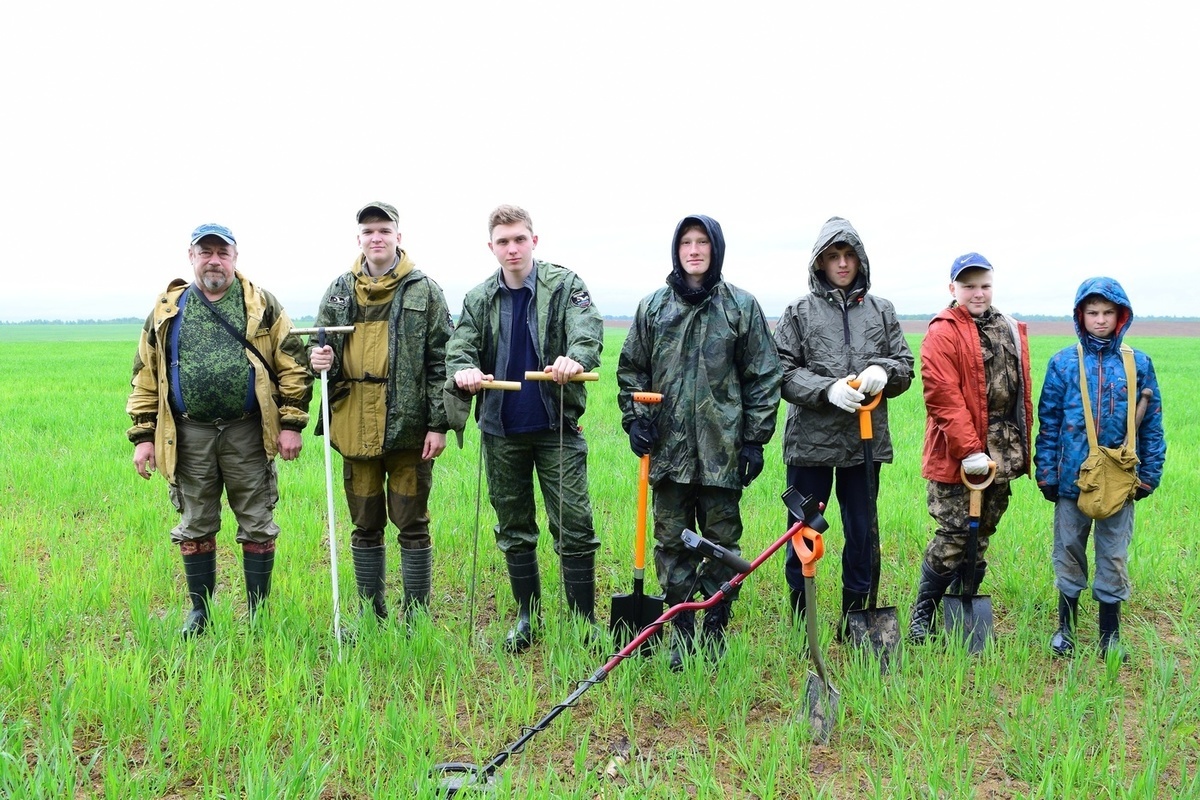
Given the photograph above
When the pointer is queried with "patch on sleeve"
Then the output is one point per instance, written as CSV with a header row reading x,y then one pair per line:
x,y
581,299
338,300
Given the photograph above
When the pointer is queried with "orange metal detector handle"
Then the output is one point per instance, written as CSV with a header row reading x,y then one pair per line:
x,y
651,398
864,412
538,375
976,506
504,386
809,556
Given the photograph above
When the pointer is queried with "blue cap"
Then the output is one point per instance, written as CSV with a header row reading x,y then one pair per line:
x,y
213,229
969,261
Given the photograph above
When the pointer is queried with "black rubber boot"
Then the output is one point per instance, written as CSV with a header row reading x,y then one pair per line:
x,y
683,637
200,570
416,568
851,601
1110,632
370,574
526,585
579,584
1062,643
257,567
796,607
712,628
929,593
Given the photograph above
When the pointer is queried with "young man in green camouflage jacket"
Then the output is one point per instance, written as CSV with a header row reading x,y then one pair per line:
x,y
705,345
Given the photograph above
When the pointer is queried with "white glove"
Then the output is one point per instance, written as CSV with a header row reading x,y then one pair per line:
x,y
844,396
872,380
977,464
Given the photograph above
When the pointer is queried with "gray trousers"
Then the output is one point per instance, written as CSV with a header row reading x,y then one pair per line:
x,y
1112,537
228,456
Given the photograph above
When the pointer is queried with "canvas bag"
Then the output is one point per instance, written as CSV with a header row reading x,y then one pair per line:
x,y
1108,476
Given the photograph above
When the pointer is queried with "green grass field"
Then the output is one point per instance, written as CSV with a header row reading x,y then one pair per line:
x,y
100,698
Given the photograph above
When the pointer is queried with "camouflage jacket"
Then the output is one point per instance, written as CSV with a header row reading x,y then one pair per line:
x,y
385,385
268,328
718,371
567,324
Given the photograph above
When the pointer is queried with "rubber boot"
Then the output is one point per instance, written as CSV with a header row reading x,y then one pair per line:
x,y
200,570
796,607
683,635
526,584
579,584
851,601
416,568
712,628
1110,632
257,567
929,593
1062,643
370,576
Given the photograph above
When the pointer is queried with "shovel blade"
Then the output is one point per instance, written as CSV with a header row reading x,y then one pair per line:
x,y
970,618
877,629
820,707
630,614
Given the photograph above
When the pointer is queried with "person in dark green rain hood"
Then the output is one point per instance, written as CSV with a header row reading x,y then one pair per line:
x,y
705,345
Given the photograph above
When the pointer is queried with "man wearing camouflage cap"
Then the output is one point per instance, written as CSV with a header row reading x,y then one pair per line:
x,y
386,413
220,386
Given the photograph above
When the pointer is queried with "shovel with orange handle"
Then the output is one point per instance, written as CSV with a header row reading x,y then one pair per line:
x,y
634,611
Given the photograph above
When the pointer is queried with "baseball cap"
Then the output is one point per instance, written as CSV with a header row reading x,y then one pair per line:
x,y
213,229
969,261
386,209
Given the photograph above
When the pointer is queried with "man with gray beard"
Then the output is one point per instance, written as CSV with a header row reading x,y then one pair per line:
x,y
220,386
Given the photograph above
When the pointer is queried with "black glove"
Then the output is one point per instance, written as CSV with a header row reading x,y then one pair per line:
x,y
1050,492
1141,493
750,462
642,436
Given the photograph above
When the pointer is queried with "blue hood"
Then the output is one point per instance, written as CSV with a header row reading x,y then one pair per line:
x,y
1110,290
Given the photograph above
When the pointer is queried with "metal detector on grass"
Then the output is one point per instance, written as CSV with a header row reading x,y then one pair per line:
x,y
456,776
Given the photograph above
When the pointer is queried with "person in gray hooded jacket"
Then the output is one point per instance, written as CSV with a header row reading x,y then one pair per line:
x,y
839,331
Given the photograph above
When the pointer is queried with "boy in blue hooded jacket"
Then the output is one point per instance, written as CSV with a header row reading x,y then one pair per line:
x,y
1102,316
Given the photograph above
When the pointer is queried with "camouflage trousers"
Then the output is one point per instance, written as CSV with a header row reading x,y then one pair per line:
x,y
511,462
395,485
712,512
228,456
949,507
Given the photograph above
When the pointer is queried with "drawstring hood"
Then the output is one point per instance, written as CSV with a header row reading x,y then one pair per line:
x,y
677,280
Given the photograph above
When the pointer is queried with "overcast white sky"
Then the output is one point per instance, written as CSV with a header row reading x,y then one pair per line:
x,y
1058,139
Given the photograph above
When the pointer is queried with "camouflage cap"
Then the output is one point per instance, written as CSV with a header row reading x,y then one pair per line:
x,y
386,209
213,229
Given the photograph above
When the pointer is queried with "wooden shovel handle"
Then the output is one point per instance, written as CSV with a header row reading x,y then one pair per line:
x,y
976,504
538,375
504,386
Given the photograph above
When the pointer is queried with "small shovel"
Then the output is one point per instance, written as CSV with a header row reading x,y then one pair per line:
x,y
872,626
820,698
967,614
632,612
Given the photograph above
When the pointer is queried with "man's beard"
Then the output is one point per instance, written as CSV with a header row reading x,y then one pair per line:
x,y
214,282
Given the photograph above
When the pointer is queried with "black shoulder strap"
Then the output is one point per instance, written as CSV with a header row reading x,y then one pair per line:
x,y
236,334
